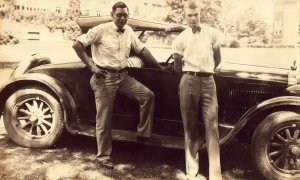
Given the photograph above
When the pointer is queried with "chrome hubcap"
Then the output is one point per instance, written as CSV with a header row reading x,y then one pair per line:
x,y
284,148
34,117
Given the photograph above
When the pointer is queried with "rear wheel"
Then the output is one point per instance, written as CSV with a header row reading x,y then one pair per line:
x,y
33,117
275,146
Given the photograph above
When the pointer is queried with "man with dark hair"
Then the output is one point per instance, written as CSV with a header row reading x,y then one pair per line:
x,y
197,49
110,45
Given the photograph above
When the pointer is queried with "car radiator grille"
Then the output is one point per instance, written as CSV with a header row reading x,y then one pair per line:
x,y
251,97
238,101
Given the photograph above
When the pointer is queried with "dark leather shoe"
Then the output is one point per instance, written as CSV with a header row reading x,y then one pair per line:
x,y
106,163
150,140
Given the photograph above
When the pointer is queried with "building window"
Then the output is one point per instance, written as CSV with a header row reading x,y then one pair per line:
x,y
23,7
58,10
98,13
17,7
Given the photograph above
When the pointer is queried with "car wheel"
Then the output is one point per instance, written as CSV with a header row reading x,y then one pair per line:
x,y
275,146
33,117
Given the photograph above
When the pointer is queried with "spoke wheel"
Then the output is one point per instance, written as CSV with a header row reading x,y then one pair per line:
x,y
283,148
33,117
275,146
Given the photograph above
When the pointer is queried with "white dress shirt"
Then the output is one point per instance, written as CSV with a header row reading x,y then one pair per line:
x,y
111,48
197,49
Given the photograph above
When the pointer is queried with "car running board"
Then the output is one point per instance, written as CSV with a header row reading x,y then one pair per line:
x,y
129,136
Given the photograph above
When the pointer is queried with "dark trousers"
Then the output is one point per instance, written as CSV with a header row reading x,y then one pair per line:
x,y
105,90
199,93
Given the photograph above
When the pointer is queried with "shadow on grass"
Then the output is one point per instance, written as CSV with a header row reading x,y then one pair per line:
x,y
72,158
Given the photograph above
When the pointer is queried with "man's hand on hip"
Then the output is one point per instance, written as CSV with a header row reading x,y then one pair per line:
x,y
98,73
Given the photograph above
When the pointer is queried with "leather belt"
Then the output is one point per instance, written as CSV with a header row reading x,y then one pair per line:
x,y
198,74
110,70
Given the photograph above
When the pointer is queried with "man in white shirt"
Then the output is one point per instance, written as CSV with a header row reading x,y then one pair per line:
x,y
110,45
197,49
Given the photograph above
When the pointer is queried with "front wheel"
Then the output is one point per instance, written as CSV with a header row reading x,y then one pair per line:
x,y
275,146
33,117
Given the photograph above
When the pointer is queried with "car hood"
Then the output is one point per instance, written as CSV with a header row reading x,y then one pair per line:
x,y
237,64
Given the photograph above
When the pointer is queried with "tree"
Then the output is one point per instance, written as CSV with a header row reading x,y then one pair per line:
x,y
175,15
243,22
210,12
251,24
70,28
9,10
73,12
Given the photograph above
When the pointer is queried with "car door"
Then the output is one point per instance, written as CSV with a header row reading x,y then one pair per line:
x,y
167,117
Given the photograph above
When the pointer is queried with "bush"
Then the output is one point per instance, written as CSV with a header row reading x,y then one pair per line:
x,y
29,17
51,20
4,13
71,30
234,44
6,38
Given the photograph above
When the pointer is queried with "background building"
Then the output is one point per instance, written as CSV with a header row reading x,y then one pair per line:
x,y
155,9
286,22
58,6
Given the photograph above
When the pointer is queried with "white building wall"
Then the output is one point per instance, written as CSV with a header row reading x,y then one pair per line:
x,y
154,9
57,6
286,21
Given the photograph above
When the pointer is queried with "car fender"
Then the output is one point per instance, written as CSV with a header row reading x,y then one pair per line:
x,y
62,94
34,61
293,90
257,109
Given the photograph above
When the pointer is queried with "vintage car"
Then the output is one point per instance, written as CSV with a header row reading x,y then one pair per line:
x,y
257,104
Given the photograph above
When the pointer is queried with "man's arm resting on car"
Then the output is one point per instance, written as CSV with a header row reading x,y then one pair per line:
x,y
149,60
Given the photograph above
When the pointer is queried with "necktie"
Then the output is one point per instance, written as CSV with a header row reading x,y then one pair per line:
x,y
196,29
120,30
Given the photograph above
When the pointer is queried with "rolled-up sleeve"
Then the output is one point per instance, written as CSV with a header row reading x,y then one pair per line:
x,y
218,38
136,43
178,45
93,36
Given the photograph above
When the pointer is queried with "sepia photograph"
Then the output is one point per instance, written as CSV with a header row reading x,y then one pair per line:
x,y
150,90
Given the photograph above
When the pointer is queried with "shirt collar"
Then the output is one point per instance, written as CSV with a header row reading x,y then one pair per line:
x,y
190,29
115,27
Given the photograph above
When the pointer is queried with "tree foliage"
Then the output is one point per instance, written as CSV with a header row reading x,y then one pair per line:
x,y
244,23
7,38
73,12
66,23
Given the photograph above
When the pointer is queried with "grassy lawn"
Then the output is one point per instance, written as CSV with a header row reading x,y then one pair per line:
x,y
72,158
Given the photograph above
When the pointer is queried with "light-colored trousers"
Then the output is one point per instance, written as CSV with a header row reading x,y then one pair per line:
x,y
105,90
198,97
